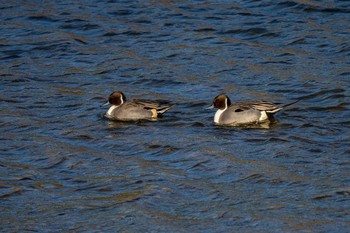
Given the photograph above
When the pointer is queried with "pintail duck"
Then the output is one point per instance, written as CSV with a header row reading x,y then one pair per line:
x,y
124,110
245,112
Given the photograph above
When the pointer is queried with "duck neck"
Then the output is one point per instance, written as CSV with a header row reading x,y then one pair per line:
x,y
111,109
219,112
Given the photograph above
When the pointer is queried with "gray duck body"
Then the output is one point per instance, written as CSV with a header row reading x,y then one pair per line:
x,y
244,112
124,110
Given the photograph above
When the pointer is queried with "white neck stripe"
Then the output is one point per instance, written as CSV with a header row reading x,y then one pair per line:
x,y
219,112
110,110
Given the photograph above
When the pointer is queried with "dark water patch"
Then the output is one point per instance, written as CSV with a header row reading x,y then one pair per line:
x,y
110,34
252,177
249,31
168,24
12,54
80,40
285,55
327,10
343,193
11,192
173,55
214,18
273,139
345,74
159,37
315,150
316,7
121,12
246,13
322,197
166,148
339,107
26,178
91,187
53,164
303,162
205,30
198,104
6,7
298,41
20,80
154,146
322,93
290,4
202,163
278,62
134,33
76,20
336,97
344,49
14,101
198,124
59,47
304,140
42,18
81,25
195,9
336,195
157,82
143,21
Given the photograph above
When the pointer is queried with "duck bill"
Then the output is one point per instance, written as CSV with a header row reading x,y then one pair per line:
x,y
210,107
105,104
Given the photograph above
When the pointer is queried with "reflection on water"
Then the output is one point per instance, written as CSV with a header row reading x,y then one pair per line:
x,y
262,125
63,166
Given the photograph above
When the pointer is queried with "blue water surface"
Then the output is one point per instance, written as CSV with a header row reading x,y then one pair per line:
x,y
65,168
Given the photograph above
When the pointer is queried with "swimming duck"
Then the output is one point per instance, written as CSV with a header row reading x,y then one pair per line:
x,y
124,110
244,112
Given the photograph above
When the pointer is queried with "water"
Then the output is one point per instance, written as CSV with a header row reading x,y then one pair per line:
x,y
64,168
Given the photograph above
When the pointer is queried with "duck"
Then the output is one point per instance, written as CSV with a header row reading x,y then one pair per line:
x,y
134,110
242,113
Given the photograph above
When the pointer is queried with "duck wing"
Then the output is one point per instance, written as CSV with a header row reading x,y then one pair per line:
x,y
147,104
151,105
239,107
260,106
268,107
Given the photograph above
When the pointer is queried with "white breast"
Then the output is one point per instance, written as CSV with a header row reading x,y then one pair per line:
x,y
219,112
110,110
217,115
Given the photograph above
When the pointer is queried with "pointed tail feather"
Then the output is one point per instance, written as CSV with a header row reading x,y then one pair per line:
x,y
286,105
162,110
281,107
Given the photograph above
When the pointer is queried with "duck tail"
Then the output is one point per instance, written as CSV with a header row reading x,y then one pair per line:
x,y
272,111
162,110
286,105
